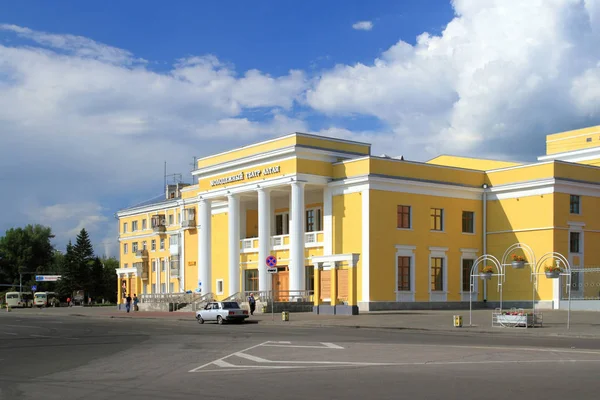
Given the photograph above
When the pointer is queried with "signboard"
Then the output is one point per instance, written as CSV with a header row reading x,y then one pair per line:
x,y
271,261
246,175
33,288
47,278
272,270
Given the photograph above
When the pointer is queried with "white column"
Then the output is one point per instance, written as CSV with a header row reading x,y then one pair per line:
x,y
204,256
264,237
182,262
297,237
233,218
327,222
366,246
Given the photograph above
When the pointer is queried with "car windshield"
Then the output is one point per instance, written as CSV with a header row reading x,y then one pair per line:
x,y
228,305
40,295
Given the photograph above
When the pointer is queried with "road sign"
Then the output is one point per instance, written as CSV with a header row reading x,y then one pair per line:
x,y
47,278
33,288
271,261
272,270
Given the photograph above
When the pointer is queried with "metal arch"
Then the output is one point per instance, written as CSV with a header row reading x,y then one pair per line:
x,y
500,275
560,258
526,249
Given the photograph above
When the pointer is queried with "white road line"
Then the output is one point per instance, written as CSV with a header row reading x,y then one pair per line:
x,y
222,358
41,336
54,337
241,368
252,358
510,348
10,333
25,326
300,346
332,346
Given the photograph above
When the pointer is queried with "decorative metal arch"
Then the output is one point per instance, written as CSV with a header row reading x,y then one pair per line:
x,y
559,258
500,275
527,250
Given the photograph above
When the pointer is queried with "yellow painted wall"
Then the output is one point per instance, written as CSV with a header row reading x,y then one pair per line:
x,y
520,174
352,168
312,167
286,167
520,213
573,140
220,254
595,163
347,229
479,164
332,144
251,223
577,172
191,259
386,236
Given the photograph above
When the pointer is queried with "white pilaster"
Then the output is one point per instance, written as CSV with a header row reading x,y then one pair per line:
x,y
264,236
204,256
366,244
182,261
297,237
233,218
327,221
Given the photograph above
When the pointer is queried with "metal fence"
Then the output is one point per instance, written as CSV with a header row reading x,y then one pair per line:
x,y
585,284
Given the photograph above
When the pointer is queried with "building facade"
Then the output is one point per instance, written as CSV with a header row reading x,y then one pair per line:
x,y
351,231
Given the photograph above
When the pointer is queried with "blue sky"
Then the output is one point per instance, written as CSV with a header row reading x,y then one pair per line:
x,y
96,96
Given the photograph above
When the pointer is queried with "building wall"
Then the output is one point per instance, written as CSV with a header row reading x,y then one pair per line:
x,y
220,253
573,140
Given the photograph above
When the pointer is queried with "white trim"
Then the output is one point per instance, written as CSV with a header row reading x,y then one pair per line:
x,y
366,244
350,258
466,251
573,225
327,221
439,252
433,249
468,254
543,228
405,251
130,270
151,208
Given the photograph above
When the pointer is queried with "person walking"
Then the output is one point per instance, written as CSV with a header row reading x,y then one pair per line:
x,y
252,303
135,302
128,303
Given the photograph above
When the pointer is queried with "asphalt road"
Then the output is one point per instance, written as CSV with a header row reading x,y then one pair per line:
x,y
61,357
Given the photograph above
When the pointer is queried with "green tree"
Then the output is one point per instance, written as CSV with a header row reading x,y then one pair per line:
x,y
68,272
25,251
110,279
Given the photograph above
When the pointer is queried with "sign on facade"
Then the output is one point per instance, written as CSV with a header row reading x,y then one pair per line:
x,y
47,278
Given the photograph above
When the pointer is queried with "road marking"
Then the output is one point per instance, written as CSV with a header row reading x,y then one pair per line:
x,y
252,358
41,336
325,345
25,326
54,337
10,333
332,346
511,348
222,358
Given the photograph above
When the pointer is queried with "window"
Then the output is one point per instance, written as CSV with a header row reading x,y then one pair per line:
x,y
170,219
124,227
178,217
467,264
163,264
134,226
144,246
144,223
468,222
219,286
134,247
153,268
404,217
251,280
574,242
574,206
153,288
403,273
162,243
125,247
163,288
171,287
282,224
437,274
437,219
588,139
313,220
173,240
125,265
153,245
310,277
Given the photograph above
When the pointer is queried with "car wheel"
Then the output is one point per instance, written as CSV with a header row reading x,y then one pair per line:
x,y
219,320
200,319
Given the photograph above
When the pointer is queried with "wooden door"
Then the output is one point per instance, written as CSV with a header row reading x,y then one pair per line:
x,y
281,284
325,284
342,284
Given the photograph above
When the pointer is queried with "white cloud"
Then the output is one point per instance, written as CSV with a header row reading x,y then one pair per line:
x,y
502,75
363,25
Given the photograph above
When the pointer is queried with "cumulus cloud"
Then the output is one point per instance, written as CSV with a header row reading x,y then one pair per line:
x,y
363,26
502,74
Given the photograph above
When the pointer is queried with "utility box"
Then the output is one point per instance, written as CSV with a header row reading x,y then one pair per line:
x,y
285,316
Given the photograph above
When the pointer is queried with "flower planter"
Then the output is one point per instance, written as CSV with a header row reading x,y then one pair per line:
x,y
552,274
518,264
486,276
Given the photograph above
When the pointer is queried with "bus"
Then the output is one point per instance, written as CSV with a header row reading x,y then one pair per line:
x,y
45,299
19,299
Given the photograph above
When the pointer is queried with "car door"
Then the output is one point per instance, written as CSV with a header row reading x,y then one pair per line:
x,y
207,314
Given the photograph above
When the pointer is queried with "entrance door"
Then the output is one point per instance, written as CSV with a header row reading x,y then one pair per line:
x,y
281,284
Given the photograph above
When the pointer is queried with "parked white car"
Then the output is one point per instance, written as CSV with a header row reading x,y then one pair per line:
x,y
221,311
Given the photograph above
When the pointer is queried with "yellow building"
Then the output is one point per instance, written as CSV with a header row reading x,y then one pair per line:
x,y
351,231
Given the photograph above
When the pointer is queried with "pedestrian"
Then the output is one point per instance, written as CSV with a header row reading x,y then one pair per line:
x,y
69,302
252,303
135,302
128,303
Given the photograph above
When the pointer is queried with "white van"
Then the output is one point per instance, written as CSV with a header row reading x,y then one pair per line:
x,y
45,299
17,299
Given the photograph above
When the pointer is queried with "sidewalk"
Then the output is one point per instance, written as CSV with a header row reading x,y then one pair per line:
x,y
584,324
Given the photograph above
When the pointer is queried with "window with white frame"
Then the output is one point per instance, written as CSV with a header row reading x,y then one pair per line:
x,y
144,223
405,272
125,265
404,275
153,265
170,219
282,223
574,242
144,245
124,227
178,217
163,264
313,220
437,274
219,286
134,247
163,288
575,204
153,245
125,248
162,243
467,265
171,287
173,240
134,225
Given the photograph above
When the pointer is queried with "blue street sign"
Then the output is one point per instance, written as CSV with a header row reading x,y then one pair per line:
x,y
271,261
34,288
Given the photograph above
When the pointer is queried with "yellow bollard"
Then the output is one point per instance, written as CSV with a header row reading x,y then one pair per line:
x,y
285,316
458,321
